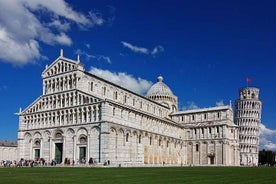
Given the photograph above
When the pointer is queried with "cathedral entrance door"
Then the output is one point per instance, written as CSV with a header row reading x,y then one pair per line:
x,y
82,155
212,160
58,152
37,154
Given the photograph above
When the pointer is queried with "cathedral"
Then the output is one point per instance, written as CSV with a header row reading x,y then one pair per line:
x,y
83,118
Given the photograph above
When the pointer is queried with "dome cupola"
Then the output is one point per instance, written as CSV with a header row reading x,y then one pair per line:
x,y
162,94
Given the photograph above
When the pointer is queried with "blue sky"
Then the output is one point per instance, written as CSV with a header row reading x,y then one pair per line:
x,y
203,49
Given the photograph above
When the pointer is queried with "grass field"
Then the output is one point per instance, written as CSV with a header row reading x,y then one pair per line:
x,y
214,175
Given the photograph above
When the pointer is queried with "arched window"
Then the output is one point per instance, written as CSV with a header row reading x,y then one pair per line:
x,y
115,95
83,140
127,136
91,86
58,135
125,99
104,91
37,143
114,111
197,147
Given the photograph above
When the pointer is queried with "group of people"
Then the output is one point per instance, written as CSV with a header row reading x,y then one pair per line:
x,y
8,163
42,162
26,163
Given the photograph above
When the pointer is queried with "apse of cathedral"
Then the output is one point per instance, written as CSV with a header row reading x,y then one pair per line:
x,y
81,117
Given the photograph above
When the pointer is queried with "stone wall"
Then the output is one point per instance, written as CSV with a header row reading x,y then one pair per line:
x,y
8,150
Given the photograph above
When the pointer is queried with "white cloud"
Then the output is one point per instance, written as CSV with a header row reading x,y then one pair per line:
x,y
104,58
60,8
138,85
135,48
90,56
85,54
267,131
157,50
220,103
63,39
24,24
96,18
17,53
61,26
267,138
190,105
87,45
143,50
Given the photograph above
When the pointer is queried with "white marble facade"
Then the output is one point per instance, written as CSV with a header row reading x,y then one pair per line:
x,y
81,116
8,151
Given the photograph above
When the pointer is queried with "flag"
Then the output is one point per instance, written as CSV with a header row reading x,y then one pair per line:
x,y
248,79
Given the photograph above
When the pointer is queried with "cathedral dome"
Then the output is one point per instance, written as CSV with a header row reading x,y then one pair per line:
x,y
162,94
159,89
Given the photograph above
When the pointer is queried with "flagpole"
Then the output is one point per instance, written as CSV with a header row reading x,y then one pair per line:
x,y
248,80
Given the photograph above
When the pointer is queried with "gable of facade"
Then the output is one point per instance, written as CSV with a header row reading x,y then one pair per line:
x,y
60,66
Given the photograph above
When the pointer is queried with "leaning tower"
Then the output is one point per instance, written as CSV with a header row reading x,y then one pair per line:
x,y
248,109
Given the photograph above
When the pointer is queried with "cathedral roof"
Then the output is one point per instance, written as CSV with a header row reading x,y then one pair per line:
x,y
208,124
202,110
8,143
159,89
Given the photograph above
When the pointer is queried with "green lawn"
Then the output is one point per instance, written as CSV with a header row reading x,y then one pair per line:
x,y
214,175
